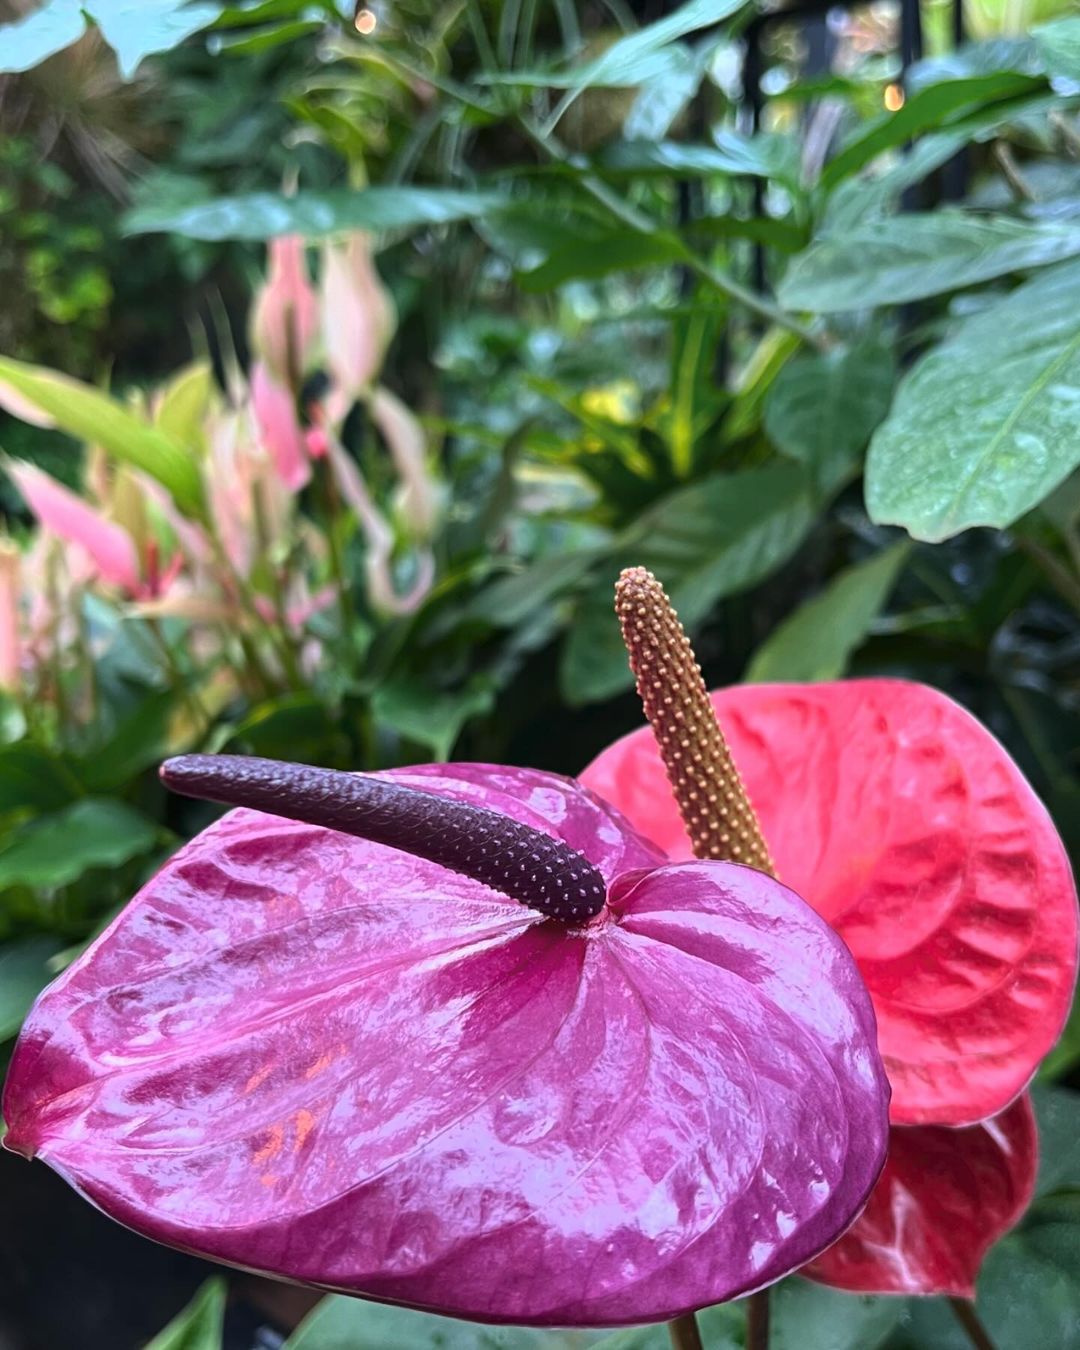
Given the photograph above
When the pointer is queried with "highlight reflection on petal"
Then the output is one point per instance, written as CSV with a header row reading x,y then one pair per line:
x,y
302,1053
909,828
944,1198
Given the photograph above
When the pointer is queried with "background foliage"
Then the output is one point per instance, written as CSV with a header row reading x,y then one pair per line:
x,y
817,364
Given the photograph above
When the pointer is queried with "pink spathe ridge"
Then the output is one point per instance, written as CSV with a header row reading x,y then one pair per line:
x,y
306,1054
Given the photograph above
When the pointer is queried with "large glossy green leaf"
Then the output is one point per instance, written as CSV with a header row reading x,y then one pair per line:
x,y
985,425
352,1324
199,1326
24,973
93,417
264,215
929,108
133,28
816,642
890,262
58,848
824,406
704,541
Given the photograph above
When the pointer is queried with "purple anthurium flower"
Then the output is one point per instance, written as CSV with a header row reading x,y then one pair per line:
x,y
363,1064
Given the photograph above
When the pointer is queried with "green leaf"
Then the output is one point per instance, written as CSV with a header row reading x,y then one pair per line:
x,y
351,1324
704,541
24,973
807,1316
934,106
265,215
1029,1286
293,726
41,34
632,60
184,405
816,642
984,426
34,779
1059,43
1067,1051
266,39
1057,1110
512,599
58,848
763,156
137,28
133,28
199,1326
93,417
890,262
863,198
823,407
431,717
139,740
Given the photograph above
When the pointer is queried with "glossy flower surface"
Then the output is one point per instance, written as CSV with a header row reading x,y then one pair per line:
x,y
943,1200
304,1053
908,827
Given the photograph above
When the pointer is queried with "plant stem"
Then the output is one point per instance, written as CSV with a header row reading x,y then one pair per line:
x,y
638,220
757,1321
684,1333
964,1311
331,501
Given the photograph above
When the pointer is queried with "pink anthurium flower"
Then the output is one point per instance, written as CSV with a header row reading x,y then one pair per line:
x,y
909,828
327,1042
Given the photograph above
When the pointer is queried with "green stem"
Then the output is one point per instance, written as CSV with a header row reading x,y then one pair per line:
x,y
332,508
757,1321
200,716
684,1333
638,220
977,1334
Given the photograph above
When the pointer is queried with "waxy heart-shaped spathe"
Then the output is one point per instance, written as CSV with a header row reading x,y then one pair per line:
x,y
944,1198
305,1054
909,828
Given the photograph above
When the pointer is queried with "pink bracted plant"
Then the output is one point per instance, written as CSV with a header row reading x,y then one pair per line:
x,y
459,1037
250,573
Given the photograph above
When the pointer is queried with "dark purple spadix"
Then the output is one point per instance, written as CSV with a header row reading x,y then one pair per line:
x,y
491,848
